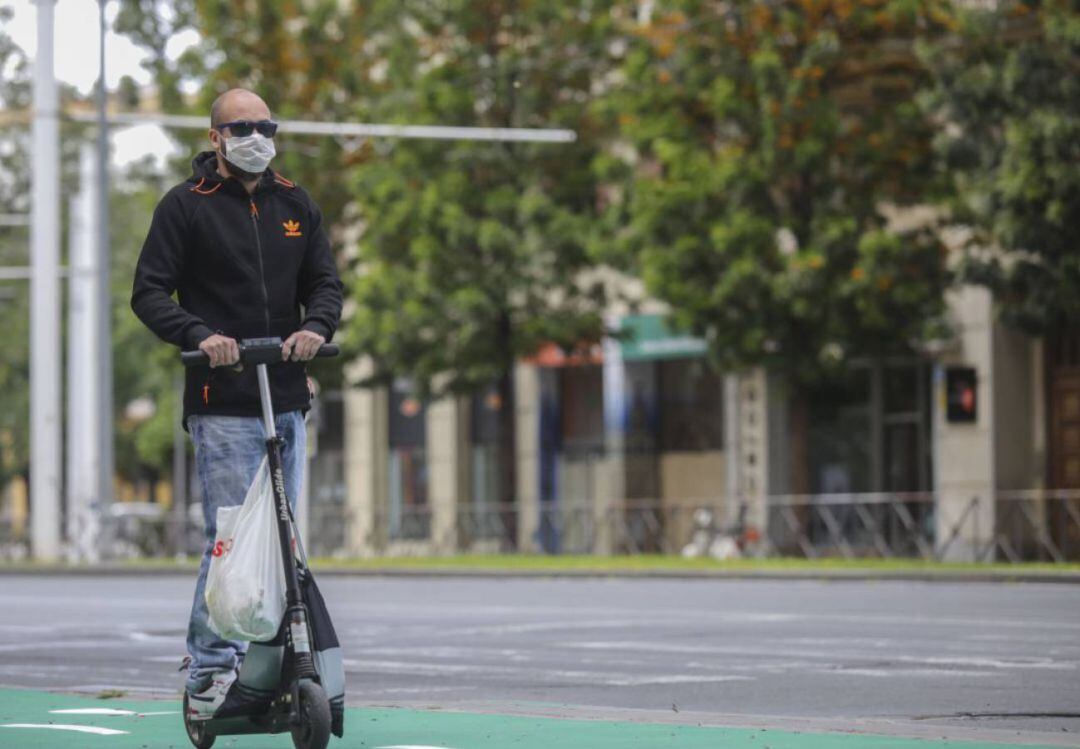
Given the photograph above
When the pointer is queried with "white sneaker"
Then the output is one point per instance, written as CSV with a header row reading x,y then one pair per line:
x,y
203,705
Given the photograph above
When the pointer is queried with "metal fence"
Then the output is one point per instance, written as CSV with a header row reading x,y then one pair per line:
x,y
1041,525
881,525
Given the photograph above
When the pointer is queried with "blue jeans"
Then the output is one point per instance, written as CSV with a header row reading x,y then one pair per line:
x,y
228,451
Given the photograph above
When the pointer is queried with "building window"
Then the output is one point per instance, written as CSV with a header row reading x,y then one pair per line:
x,y
840,437
582,415
485,408
409,513
691,406
870,431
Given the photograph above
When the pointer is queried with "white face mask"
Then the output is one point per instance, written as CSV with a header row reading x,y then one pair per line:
x,y
252,153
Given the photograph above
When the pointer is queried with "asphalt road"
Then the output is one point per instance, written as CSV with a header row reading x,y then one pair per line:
x,y
921,658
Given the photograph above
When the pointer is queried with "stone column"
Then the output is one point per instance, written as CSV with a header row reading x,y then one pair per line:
x,y
527,425
964,469
752,453
611,474
366,467
447,449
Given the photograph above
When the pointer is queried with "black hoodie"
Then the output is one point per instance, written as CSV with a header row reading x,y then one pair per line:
x,y
246,266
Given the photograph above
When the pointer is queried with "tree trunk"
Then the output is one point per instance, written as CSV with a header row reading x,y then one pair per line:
x,y
800,445
507,459
507,440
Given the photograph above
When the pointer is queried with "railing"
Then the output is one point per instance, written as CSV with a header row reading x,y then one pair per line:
x,y
1039,525
14,543
1027,526
884,525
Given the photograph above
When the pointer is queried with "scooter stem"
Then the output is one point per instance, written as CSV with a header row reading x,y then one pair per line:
x,y
264,398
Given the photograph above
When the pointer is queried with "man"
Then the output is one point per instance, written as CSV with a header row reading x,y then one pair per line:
x,y
246,253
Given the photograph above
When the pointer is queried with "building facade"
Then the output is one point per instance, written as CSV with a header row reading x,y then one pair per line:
x,y
952,454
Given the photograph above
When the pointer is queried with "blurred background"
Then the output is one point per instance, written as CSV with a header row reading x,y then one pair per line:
x,y
799,282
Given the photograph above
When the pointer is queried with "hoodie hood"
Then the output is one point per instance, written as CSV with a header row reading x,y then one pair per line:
x,y
204,169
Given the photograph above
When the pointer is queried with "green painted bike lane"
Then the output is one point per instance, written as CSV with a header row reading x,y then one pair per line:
x,y
44,720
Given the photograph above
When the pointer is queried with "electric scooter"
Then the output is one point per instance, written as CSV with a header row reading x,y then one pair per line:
x,y
279,687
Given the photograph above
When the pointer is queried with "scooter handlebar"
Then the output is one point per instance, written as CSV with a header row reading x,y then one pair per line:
x,y
255,349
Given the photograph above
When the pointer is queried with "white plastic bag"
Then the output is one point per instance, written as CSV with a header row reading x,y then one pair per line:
x,y
245,587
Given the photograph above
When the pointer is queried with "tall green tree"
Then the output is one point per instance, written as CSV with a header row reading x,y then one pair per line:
x,y
771,142
15,192
473,254
470,254
1007,91
143,365
304,58
14,251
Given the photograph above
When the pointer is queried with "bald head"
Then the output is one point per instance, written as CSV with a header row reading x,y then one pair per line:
x,y
233,106
238,104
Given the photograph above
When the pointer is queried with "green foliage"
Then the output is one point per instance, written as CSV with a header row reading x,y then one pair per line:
x,y
770,143
472,253
143,366
15,191
14,250
138,367
305,59
1007,91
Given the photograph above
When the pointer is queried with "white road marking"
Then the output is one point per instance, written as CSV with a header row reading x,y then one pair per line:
x,y
29,647
641,681
111,711
586,677
418,690
60,727
893,673
34,628
534,627
827,654
93,711
138,636
137,688
991,662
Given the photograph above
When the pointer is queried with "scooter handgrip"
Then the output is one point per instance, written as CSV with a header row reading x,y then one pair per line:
x,y
192,358
329,349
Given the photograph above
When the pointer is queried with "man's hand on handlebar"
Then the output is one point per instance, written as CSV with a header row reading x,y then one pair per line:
x,y
302,345
222,350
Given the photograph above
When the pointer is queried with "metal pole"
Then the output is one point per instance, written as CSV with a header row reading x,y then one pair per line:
x,y
45,400
83,454
303,502
267,403
104,336
179,477
358,129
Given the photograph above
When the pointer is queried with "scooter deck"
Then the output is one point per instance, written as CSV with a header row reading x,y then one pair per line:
x,y
240,715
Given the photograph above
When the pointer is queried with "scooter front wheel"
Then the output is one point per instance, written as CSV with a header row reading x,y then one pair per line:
x,y
196,729
314,711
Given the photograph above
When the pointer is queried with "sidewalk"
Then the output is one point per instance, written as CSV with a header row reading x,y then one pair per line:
x,y
643,566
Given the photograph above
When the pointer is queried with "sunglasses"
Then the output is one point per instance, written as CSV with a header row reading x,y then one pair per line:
x,y
244,128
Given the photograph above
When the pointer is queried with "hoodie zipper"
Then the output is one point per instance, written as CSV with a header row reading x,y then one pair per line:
x,y
262,270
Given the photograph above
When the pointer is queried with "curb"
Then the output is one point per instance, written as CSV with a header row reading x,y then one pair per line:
x,y
822,575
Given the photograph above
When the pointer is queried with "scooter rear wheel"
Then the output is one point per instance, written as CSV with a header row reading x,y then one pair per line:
x,y
196,730
314,709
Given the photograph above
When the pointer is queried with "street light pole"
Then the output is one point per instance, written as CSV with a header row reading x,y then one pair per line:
x,y
45,401
83,412
104,296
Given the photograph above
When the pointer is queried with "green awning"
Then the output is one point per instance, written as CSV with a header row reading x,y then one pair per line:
x,y
647,338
